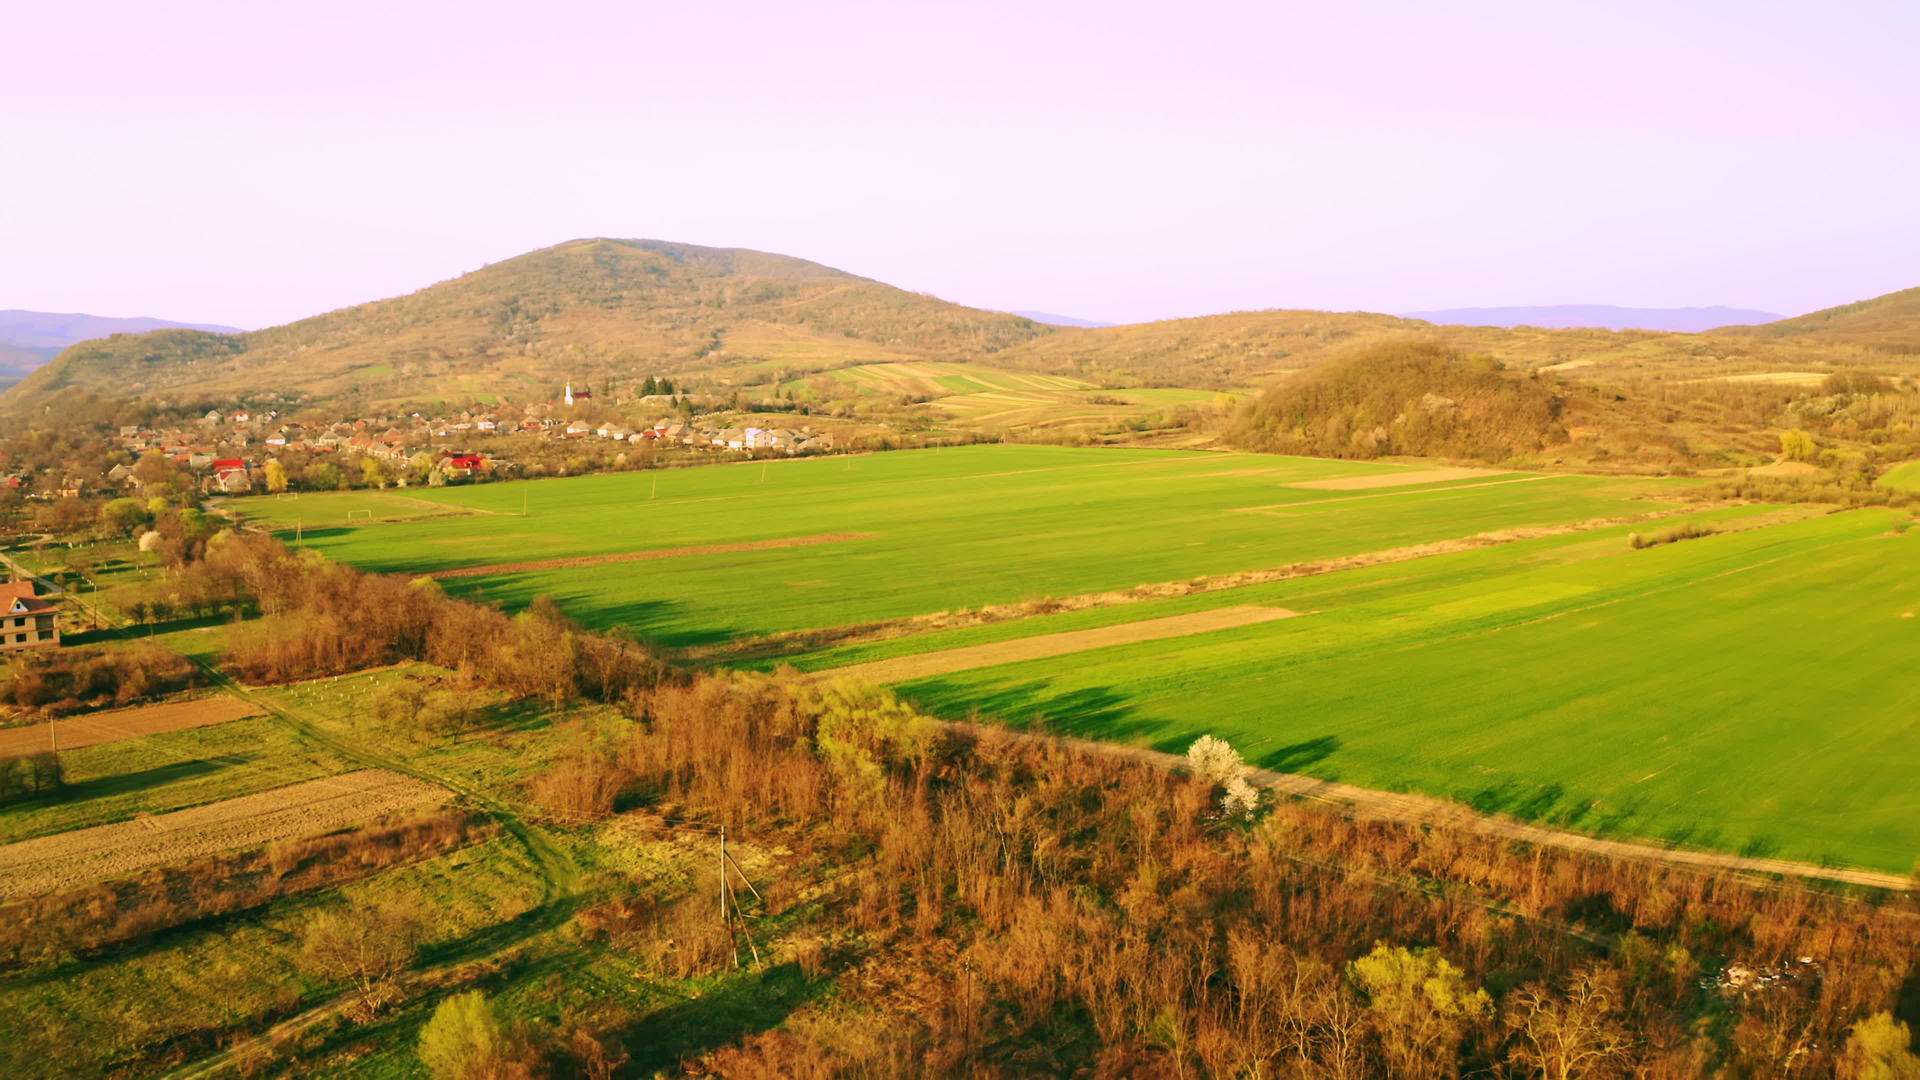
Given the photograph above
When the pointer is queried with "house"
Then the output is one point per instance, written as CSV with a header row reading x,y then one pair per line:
x,y
120,475
576,396
579,429
464,464
27,621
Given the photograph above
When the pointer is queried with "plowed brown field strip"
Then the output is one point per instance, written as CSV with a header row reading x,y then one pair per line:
x,y
116,724
641,556
902,668
51,863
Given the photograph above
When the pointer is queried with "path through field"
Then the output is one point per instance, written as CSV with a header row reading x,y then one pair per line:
x,y
62,861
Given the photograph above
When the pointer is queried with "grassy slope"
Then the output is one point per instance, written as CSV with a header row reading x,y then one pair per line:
x,y
959,528
1904,477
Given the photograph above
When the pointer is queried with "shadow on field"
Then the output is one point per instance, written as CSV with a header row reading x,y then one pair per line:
x,y
147,629
1097,712
1300,755
102,787
1550,804
726,1014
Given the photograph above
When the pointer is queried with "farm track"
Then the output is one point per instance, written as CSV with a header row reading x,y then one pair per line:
x,y
92,729
1368,804
643,556
65,860
805,641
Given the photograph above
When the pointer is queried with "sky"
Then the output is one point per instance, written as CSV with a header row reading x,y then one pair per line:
x,y
253,163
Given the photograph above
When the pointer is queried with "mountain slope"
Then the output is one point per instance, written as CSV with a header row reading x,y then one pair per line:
x,y
1686,320
585,311
28,339
1889,323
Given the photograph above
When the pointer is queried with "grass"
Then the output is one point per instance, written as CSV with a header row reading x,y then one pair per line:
x,y
1903,477
1686,692
1668,693
1536,677
158,773
957,528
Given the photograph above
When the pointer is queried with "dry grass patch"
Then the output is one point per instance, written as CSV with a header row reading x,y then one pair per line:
x,y
903,668
63,861
114,725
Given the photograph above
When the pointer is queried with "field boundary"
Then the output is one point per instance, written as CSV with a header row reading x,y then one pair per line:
x,y
643,556
805,641
115,725
920,665
1370,804
63,860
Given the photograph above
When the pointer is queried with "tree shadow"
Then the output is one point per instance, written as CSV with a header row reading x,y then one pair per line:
x,y
102,787
1096,712
726,1014
1526,802
1301,755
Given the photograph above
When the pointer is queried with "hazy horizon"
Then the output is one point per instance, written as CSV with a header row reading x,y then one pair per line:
x,y
247,165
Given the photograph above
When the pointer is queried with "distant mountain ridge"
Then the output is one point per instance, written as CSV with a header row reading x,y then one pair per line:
x,y
1684,320
1051,319
29,339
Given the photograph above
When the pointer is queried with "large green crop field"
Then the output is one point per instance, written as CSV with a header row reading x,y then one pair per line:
x,y
1742,691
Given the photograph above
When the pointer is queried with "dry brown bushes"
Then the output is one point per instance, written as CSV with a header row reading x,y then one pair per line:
x,y
86,920
1033,906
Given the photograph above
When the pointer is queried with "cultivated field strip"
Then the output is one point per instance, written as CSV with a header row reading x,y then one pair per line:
x,y
1396,479
52,863
114,725
642,556
903,668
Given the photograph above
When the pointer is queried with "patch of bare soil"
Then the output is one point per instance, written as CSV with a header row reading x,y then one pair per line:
x,y
92,729
52,863
903,668
1399,479
642,556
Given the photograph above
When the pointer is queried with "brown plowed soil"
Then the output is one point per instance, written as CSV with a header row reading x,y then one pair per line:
x,y
51,863
902,668
91,729
642,556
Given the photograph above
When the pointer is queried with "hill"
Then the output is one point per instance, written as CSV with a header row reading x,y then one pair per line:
x,y
586,311
1208,351
1686,320
1888,324
29,339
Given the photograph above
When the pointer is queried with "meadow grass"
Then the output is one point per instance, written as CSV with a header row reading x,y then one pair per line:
x,y
169,771
1714,692
1903,477
949,529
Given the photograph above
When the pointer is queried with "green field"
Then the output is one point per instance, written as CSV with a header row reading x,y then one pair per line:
x,y
957,528
1739,691
1903,477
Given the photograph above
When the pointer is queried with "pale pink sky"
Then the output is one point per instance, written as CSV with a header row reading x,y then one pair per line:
x,y
254,162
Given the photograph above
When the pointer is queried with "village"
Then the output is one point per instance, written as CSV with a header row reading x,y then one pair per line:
x,y
241,450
